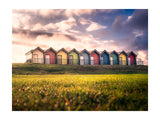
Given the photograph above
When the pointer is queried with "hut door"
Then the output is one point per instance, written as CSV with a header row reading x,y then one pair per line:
x,y
71,59
120,60
47,59
111,60
102,61
129,61
92,60
59,59
81,60
35,58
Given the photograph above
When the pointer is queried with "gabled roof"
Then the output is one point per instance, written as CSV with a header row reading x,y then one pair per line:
x,y
123,52
132,53
37,48
51,49
94,51
104,51
114,52
29,52
63,50
85,51
74,50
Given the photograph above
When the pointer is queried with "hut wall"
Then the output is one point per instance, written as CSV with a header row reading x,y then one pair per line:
x,y
132,59
115,58
64,56
52,57
105,57
96,58
86,58
38,57
75,58
124,59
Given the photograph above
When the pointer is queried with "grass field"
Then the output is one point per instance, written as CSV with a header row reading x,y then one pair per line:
x,y
41,69
80,92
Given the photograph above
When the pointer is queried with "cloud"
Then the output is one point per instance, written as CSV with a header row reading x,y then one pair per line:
x,y
139,19
78,12
118,24
29,33
95,26
84,21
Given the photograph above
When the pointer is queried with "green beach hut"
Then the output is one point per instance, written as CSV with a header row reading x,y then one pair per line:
x,y
73,57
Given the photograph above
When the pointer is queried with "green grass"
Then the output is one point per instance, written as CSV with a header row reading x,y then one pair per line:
x,y
41,69
78,92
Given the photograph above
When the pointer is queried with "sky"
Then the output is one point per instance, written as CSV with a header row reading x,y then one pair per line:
x,y
101,29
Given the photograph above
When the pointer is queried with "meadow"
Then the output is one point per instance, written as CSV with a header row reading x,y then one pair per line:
x,y
43,69
89,92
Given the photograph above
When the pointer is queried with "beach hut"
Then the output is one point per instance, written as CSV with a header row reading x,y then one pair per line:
x,y
132,58
123,58
84,57
94,57
35,56
73,56
105,58
50,56
62,56
114,59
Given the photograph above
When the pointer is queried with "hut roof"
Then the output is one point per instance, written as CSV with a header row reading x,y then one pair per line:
x,y
113,52
37,48
85,51
63,50
123,52
74,50
104,51
94,51
131,53
51,49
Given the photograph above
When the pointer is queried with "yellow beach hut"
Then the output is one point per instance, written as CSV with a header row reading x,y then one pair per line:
x,y
62,56
123,58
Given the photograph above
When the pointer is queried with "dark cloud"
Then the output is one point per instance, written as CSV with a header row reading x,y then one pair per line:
x,y
118,24
29,33
139,20
141,42
34,34
135,30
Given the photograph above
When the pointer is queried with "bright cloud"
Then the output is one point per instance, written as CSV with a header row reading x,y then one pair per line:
x,y
95,26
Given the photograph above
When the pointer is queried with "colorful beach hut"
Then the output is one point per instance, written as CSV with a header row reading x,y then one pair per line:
x,y
132,58
114,59
94,57
50,56
123,58
84,57
73,56
105,58
35,56
62,56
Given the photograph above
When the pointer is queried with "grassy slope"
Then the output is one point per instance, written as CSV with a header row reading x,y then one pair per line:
x,y
40,69
80,92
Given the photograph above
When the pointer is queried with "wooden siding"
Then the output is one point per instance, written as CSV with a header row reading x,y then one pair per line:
x,y
52,56
75,58
124,59
64,56
132,57
105,59
39,58
115,58
96,58
86,57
